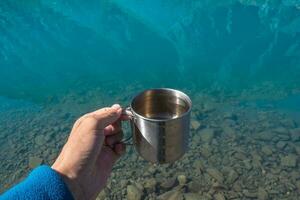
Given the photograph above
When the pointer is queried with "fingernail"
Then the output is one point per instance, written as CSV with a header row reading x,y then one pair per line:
x,y
116,106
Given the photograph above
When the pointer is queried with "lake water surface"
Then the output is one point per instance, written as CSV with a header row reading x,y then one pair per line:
x,y
239,61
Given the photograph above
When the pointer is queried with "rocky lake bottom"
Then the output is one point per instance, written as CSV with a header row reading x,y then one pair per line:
x,y
236,151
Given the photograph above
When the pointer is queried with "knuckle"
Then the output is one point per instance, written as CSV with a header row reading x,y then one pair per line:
x,y
112,113
90,120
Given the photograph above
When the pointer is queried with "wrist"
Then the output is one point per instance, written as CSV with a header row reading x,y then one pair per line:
x,y
71,182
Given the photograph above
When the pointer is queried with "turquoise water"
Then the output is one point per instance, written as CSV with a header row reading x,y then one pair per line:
x,y
239,61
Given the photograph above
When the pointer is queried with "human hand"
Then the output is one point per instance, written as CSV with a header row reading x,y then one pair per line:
x,y
93,147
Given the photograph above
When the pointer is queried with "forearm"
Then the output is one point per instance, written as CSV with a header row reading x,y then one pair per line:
x,y
42,183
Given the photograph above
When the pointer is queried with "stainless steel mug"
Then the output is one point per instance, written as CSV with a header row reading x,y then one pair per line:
x,y
160,124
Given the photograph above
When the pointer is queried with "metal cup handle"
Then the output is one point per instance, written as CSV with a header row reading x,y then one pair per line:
x,y
127,112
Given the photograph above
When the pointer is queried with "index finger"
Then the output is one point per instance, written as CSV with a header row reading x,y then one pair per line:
x,y
113,128
101,118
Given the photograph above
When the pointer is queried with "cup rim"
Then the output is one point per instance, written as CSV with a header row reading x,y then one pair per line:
x,y
187,98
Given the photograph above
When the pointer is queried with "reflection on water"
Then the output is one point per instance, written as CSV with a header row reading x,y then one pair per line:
x,y
237,60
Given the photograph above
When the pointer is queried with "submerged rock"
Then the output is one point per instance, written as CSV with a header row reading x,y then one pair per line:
x,y
168,183
262,194
218,186
264,136
133,193
297,149
195,124
250,194
281,144
229,132
194,186
207,135
240,155
205,151
192,196
198,165
289,160
267,150
295,135
150,184
216,174
298,185
171,195
209,106
219,196
40,140
232,176
181,180
34,162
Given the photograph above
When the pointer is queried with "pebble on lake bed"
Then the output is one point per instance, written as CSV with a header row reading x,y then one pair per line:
x,y
133,193
192,196
195,124
207,135
34,162
150,184
181,180
171,195
216,174
262,194
289,160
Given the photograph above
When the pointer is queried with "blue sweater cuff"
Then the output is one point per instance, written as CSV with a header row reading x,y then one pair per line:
x,y
43,183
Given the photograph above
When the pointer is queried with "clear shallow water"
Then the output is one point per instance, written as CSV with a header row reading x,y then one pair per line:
x,y
238,60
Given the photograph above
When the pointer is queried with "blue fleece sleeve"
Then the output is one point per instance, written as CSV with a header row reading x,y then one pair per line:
x,y
43,183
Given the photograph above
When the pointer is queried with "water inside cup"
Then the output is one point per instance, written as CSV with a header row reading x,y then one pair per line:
x,y
160,105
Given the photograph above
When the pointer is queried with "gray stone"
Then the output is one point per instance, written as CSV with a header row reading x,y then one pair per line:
x,y
247,164
219,196
168,183
297,149
295,135
150,184
198,165
281,144
205,152
264,136
209,106
280,130
284,137
40,140
102,195
192,196
229,115
207,135
232,176
181,179
34,162
289,160
240,155
195,124
250,194
219,186
262,194
171,195
216,174
123,183
267,150
298,185
229,132
194,186
237,186
256,159
133,193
